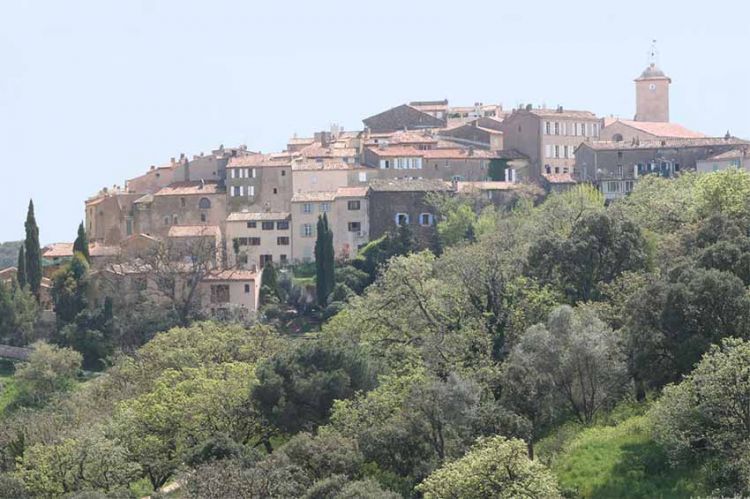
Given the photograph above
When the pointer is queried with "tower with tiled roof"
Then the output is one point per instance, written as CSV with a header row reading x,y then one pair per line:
x,y
652,92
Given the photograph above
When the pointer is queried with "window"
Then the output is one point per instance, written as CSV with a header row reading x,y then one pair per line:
x,y
231,173
251,190
241,241
182,202
166,220
253,171
282,259
282,225
325,207
264,259
363,176
425,219
203,217
352,205
307,230
128,226
354,226
242,259
547,127
242,190
619,170
547,151
557,128
247,288
402,219
266,225
253,241
628,186
220,293
557,151
617,138
252,225
283,173
282,241
174,219
307,208
457,178
275,190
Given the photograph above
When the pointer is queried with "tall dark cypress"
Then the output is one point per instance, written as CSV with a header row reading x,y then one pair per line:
x,y
21,267
320,275
81,244
329,258
33,252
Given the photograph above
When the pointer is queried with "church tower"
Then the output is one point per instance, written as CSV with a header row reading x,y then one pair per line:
x,y
652,92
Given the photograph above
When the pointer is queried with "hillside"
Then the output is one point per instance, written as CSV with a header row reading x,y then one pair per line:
x,y
9,253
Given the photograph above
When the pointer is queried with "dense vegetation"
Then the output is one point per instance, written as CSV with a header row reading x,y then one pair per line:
x,y
9,253
560,349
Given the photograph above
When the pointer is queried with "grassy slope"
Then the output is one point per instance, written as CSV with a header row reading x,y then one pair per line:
x,y
621,461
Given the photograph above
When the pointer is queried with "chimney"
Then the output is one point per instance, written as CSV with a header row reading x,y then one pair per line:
x,y
203,184
559,109
172,160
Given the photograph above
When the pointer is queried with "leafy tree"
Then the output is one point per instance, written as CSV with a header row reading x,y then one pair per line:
x,y
296,388
91,333
324,454
599,248
89,462
324,264
662,206
457,225
70,286
672,323
495,467
579,356
724,192
269,291
365,489
33,252
18,312
705,419
81,244
354,278
376,253
49,370
21,267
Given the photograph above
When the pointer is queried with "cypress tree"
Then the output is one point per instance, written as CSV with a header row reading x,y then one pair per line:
x,y
81,244
324,266
33,252
21,272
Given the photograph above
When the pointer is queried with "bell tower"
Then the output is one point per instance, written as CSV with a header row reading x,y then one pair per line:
x,y
652,91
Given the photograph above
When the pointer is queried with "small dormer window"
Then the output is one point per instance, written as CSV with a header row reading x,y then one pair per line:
x,y
204,204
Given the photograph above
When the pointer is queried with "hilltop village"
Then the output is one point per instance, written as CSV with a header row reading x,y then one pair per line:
x,y
239,210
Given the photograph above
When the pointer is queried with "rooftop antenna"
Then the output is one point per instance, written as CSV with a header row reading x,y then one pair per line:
x,y
653,54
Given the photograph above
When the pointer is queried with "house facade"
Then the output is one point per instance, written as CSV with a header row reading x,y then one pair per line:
x,y
257,238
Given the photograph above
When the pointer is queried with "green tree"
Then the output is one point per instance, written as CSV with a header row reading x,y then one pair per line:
x,y
269,291
81,244
457,224
496,468
89,462
33,252
18,313
21,267
706,419
49,370
600,247
324,261
70,286
296,388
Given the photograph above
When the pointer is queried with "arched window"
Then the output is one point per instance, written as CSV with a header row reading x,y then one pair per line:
x,y
204,204
617,137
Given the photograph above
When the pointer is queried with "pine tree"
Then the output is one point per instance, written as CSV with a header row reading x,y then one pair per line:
x,y
21,271
81,244
33,252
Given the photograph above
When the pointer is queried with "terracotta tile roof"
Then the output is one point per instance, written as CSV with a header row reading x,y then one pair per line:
x,y
277,159
555,113
231,275
409,137
559,178
351,192
737,153
58,250
458,153
190,188
8,273
97,250
404,185
242,216
318,151
670,130
485,186
328,164
194,231
313,196
608,145
396,151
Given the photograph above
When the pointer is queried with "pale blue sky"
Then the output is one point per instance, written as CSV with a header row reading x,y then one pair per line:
x,y
93,92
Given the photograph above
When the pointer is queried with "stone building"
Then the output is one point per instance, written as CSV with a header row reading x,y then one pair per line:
x,y
485,133
230,292
737,158
549,137
652,95
260,182
180,203
255,238
109,216
403,202
614,167
311,175
348,217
